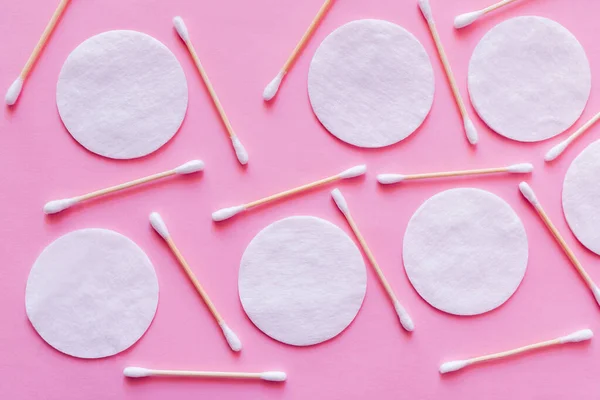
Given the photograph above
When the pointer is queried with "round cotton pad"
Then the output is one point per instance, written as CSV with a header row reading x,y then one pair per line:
x,y
580,197
122,94
465,251
529,79
91,293
371,83
302,280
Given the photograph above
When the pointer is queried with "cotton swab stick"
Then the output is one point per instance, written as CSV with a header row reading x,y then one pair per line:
x,y
405,319
468,18
273,86
388,179
528,193
270,376
467,123
56,206
560,148
579,336
226,213
240,151
161,228
15,89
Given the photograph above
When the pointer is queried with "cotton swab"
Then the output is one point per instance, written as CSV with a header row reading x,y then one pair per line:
x,y
467,123
388,179
15,89
560,148
579,336
273,86
161,228
528,193
229,212
468,18
405,319
270,376
240,151
56,206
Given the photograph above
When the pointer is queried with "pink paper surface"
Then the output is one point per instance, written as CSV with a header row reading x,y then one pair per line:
x,y
242,45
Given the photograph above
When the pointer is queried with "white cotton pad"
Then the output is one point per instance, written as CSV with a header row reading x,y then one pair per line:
x,y
371,83
581,197
91,293
122,94
302,280
465,251
529,79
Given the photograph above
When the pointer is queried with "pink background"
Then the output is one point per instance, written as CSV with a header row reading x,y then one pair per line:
x,y
242,45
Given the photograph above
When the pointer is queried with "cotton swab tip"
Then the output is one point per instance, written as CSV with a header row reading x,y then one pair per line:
x,y
596,292
340,201
273,86
354,172
190,167
56,206
159,225
470,130
240,151
556,151
137,372
528,193
452,366
579,336
466,19
426,10
405,319
389,179
226,213
181,28
273,376
232,339
13,92
523,168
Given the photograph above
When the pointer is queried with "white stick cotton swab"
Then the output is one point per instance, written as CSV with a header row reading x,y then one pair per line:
x,y
56,206
469,128
273,86
226,213
240,151
15,88
528,193
579,336
161,228
562,146
269,376
342,205
388,179
468,18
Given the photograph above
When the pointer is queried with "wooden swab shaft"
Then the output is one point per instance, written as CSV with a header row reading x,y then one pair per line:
x,y
126,185
292,191
513,352
210,89
496,6
584,128
456,173
307,35
43,39
447,69
371,258
207,374
564,246
194,280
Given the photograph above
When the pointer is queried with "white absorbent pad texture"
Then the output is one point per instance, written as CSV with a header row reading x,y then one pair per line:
x,y
465,251
91,293
371,83
529,79
122,94
302,280
581,197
